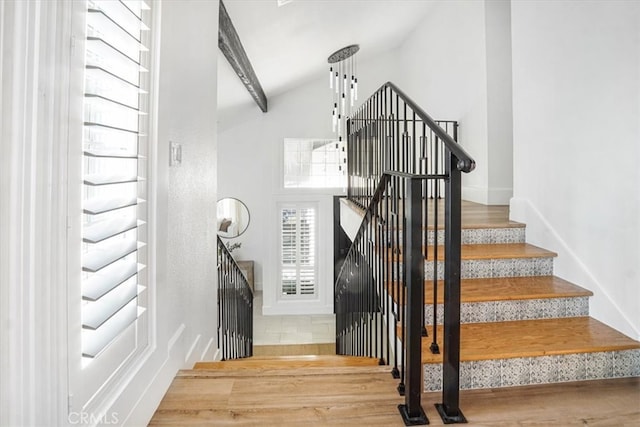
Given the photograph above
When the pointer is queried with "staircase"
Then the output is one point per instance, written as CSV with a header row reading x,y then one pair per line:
x,y
520,324
506,320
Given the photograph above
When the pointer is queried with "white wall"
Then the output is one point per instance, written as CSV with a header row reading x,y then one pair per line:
x,y
34,125
576,109
186,196
499,108
456,66
250,147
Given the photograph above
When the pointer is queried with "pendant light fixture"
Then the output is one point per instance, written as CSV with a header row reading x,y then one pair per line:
x,y
344,84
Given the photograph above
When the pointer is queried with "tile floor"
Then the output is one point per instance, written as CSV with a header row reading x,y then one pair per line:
x,y
303,329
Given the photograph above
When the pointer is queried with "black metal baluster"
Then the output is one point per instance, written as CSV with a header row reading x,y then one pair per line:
x,y
434,347
425,216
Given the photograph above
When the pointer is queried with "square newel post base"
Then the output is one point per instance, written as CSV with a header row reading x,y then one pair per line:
x,y
455,418
419,420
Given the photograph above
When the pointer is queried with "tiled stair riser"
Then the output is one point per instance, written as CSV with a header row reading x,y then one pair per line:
x,y
502,311
482,236
538,370
486,268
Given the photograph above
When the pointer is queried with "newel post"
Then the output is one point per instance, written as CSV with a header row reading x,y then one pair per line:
x,y
412,412
449,409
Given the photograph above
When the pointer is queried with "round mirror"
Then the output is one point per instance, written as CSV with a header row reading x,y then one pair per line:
x,y
233,217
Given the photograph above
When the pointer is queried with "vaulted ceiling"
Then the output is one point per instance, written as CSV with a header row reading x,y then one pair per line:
x,y
289,44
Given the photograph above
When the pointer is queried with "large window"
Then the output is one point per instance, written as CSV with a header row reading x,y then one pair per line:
x,y
313,163
114,186
298,251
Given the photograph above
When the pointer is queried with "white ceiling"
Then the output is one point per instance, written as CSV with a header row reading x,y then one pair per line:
x,y
289,45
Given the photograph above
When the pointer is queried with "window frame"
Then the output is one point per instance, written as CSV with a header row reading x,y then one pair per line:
x,y
340,190
297,206
92,385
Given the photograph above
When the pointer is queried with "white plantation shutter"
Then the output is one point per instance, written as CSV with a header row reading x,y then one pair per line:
x,y
114,171
298,251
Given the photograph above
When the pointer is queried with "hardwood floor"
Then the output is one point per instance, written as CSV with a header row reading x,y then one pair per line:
x,y
585,403
367,396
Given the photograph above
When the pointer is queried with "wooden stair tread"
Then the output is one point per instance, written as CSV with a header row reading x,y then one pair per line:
x,y
530,338
507,289
279,371
474,215
288,362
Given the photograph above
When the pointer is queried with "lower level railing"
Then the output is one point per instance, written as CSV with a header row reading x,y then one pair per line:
x,y
235,308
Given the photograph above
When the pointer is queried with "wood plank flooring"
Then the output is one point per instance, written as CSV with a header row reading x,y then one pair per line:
x,y
362,396
367,396
288,362
610,403
529,338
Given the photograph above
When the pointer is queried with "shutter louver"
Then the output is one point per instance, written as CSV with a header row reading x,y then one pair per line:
x,y
113,172
298,248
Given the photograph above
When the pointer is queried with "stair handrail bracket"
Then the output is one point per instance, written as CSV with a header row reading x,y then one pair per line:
x,y
404,169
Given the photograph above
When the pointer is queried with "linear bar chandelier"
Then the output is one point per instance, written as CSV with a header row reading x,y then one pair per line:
x,y
344,84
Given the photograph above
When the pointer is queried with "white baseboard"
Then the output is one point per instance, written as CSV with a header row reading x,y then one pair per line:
x,y
189,359
158,376
217,356
570,267
208,352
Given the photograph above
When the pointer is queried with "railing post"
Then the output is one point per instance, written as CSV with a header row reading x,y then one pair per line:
x,y
449,409
412,412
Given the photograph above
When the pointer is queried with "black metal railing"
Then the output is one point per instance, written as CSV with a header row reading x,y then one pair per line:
x,y
404,168
235,308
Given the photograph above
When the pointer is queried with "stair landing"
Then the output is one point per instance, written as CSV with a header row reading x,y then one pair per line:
x,y
258,395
